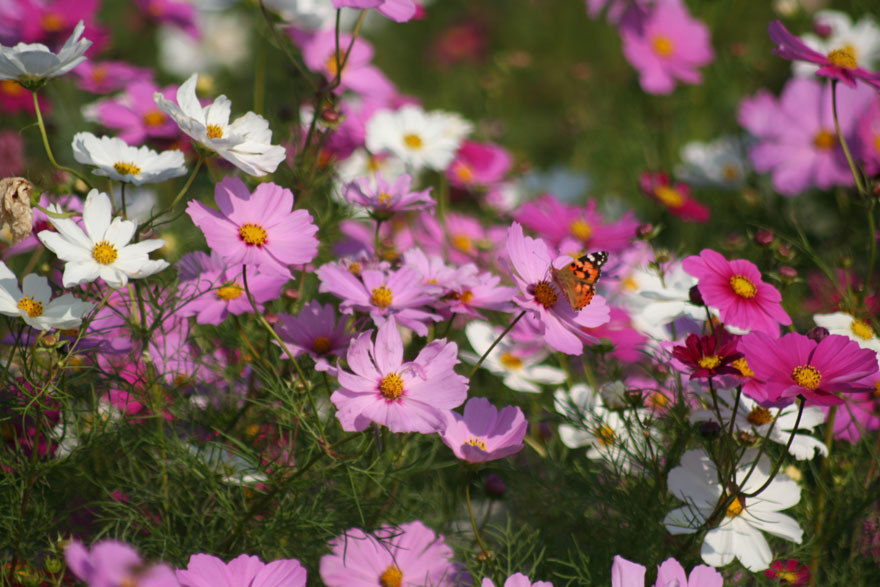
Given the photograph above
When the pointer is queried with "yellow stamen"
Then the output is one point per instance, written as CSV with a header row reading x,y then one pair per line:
x,y
466,296
33,307
355,268
581,229
844,57
807,376
214,131
670,197
735,508
253,234
545,294
52,22
862,329
662,45
391,386
321,345
382,297
463,172
391,577
126,168
413,141
824,140
154,119
10,88
104,253
743,367
384,199
510,361
463,243
743,287
605,435
760,416
230,291
478,442
710,362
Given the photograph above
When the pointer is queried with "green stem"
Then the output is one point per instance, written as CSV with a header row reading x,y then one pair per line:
x,y
48,149
283,44
467,495
778,464
846,153
820,498
494,344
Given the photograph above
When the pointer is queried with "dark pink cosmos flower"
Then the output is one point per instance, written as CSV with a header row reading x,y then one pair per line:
x,y
789,572
676,197
104,77
859,416
135,115
15,99
483,433
205,570
708,356
412,396
795,365
736,289
840,64
478,164
179,14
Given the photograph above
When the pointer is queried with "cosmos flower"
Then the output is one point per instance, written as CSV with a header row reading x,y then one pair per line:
x,y
719,163
115,159
134,113
517,580
109,76
851,327
670,573
396,10
34,304
420,139
676,197
382,198
483,433
32,64
708,356
110,563
316,331
205,570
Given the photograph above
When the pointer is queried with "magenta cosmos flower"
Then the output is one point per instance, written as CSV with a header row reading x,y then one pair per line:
x,y
541,296
205,570
478,164
409,554
736,289
316,332
135,114
259,229
796,139
111,563
382,198
796,365
396,10
406,397
483,433
676,197
840,64
669,45
108,76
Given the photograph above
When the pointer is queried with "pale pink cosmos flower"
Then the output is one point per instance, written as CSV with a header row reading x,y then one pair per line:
x,y
541,298
382,198
412,396
104,77
205,570
259,229
134,113
316,332
409,554
358,74
517,580
668,46
396,10
626,573
737,290
483,433
868,131
110,563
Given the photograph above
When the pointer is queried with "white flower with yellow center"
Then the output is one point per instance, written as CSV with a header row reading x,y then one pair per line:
x,y
420,139
719,163
116,159
861,41
102,249
738,533
31,64
34,303
245,142
853,328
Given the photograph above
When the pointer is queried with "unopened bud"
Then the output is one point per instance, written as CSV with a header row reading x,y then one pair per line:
x,y
710,429
645,231
695,296
817,333
495,486
785,251
787,272
764,238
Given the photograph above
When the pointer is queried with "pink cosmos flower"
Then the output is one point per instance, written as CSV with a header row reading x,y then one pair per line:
x,y
111,563
675,197
796,365
205,570
104,77
179,14
736,289
841,64
51,22
540,296
135,115
401,294
12,155
409,554
316,332
628,342
211,290
396,10
478,164
557,222
411,396
626,573
857,417
15,99
796,139
669,45
517,580
258,229
483,433
358,75
868,131
383,199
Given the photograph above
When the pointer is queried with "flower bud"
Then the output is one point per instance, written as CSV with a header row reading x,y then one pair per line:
x,y
785,251
495,486
695,296
645,231
817,333
709,430
787,272
764,238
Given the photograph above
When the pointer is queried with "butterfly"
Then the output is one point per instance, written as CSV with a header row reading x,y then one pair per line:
x,y
577,280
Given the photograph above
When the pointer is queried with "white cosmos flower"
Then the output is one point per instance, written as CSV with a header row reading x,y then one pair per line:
x,y
518,366
755,421
862,39
246,142
305,14
739,532
34,303
116,159
851,327
420,139
720,163
224,43
31,63
103,249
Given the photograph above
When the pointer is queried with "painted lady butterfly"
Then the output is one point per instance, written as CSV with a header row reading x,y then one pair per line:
x,y
577,280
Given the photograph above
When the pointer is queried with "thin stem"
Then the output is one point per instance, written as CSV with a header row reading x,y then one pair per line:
x,y
778,464
283,45
494,344
860,186
188,184
820,498
122,197
340,66
48,149
467,495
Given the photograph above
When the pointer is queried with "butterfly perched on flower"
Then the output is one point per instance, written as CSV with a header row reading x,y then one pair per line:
x,y
577,280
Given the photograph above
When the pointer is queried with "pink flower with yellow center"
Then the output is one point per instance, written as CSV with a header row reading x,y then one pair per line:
x,y
676,197
259,229
317,332
735,288
484,433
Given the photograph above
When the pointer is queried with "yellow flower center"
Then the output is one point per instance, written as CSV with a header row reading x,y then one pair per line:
x,y
662,45
52,22
787,577
330,65
104,253
463,243
743,367
154,118
392,577
99,74
844,57
658,400
545,294
466,296
581,229
478,442
877,388
10,88
730,172
391,386
807,376
877,142
33,307
464,173
230,291
384,199
743,287
214,131
126,168
630,284
710,362
382,297
760,416
605,435
735,508
862,329
824,140
511,362
355,268
670,197
413,141
253,234
321,345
